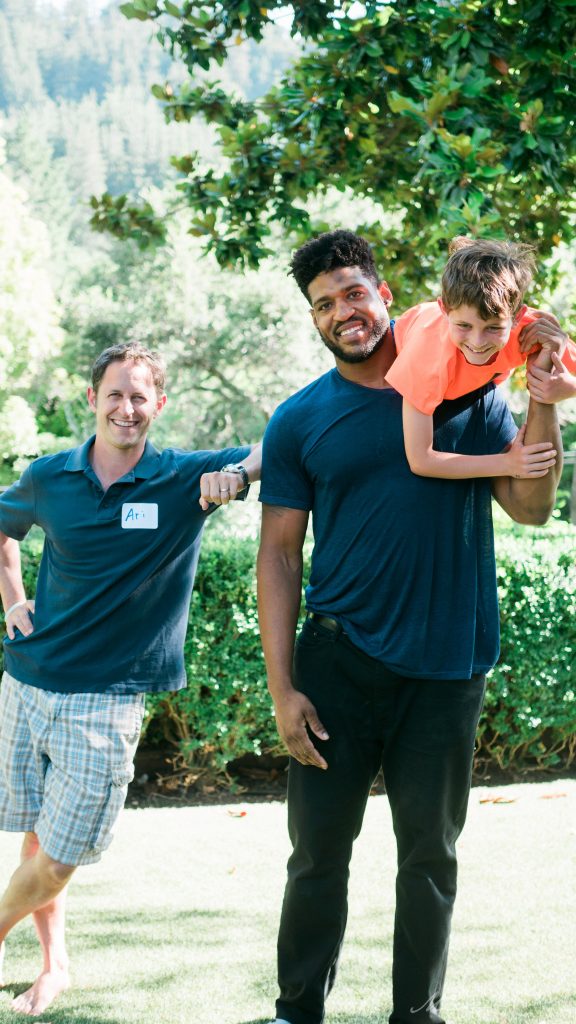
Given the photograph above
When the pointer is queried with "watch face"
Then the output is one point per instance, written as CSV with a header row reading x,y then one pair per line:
x,y
239,469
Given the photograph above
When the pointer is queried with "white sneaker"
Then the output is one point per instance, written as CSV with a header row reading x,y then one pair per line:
x,y
279,1020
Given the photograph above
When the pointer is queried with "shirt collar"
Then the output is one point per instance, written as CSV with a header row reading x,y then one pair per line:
x,y
79,461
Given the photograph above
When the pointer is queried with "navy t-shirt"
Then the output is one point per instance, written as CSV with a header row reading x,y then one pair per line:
x,y
117,569
405,563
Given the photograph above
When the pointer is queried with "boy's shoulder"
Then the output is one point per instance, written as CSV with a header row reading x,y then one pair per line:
x,y
423,316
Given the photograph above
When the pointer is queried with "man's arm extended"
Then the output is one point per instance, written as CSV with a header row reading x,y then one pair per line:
x,y
219,488
16,607
531,501
279,596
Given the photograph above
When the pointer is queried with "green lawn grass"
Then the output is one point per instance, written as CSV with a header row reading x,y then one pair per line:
x,y
177,924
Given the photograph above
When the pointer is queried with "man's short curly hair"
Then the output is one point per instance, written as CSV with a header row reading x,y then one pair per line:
x,y
330,251
131,351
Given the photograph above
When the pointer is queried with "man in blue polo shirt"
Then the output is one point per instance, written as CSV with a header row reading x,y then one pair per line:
x,y
123,525
388,670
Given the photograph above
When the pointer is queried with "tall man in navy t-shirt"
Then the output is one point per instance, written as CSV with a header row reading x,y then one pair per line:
x,y
123,524
402,626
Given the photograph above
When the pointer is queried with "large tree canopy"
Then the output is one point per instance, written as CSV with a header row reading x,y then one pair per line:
x,y
457,116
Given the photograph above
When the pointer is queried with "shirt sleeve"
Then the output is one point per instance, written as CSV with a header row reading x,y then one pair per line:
x,y
285,481
569,357
500,426
18,507
421,370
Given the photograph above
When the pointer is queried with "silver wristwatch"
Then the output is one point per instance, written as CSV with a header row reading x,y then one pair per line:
x,y
237,467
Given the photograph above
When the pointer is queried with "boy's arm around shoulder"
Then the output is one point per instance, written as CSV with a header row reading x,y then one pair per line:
x,y
530,501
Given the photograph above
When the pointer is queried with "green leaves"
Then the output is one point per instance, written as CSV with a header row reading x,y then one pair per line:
x,y
142,10
461,114
119,217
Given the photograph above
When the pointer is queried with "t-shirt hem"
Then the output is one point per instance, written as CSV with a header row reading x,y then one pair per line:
x,y
466,674
96,686
402,670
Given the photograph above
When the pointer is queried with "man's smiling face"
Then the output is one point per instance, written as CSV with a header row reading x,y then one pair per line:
x,y
125,404
351,313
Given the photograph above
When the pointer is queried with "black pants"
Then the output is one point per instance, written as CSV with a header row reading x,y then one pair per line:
x,y
422,733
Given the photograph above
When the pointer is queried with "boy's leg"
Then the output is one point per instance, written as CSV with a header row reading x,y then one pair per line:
x,y
49,922
427,770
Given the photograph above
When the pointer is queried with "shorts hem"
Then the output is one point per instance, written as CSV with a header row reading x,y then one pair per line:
x,y
10,825
89,857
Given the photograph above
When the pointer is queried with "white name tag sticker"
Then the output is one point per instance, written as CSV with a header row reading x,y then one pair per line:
x,y
142,516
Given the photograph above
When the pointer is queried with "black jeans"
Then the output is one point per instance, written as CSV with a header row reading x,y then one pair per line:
x,y
422,733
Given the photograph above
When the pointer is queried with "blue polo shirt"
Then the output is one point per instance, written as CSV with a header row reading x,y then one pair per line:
x,y
117,569
404,562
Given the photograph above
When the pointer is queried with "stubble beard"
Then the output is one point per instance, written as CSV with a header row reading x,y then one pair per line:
x,y
373,343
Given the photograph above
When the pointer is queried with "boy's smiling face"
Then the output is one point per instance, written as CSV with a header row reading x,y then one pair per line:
x,y
479,340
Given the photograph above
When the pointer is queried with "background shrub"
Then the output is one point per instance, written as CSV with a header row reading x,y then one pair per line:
x,y
529,717
225,711
529,720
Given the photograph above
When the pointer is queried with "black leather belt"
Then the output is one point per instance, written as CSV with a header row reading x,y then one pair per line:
x,y
325,621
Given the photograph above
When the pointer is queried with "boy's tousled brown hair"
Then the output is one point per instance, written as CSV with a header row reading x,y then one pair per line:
x,y
488,275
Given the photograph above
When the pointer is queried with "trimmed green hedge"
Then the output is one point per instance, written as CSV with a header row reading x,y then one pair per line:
x,y
225,711
530,711
530,714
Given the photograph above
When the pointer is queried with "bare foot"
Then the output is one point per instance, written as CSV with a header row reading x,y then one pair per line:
x,y
42,993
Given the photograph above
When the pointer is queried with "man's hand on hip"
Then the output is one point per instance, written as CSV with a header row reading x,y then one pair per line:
x,y
19,618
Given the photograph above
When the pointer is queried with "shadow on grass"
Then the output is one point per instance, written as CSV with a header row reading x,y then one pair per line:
x,y
140,928
339,1018
546,1010
543,1010
91,1012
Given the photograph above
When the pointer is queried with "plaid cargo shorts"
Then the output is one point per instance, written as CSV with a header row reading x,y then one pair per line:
x,y
65,763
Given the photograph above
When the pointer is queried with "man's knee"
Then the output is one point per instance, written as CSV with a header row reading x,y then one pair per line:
x,y
53,871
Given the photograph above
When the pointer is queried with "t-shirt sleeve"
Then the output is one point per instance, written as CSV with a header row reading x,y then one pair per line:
x,y
420,372
284,478
500,427
18,507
